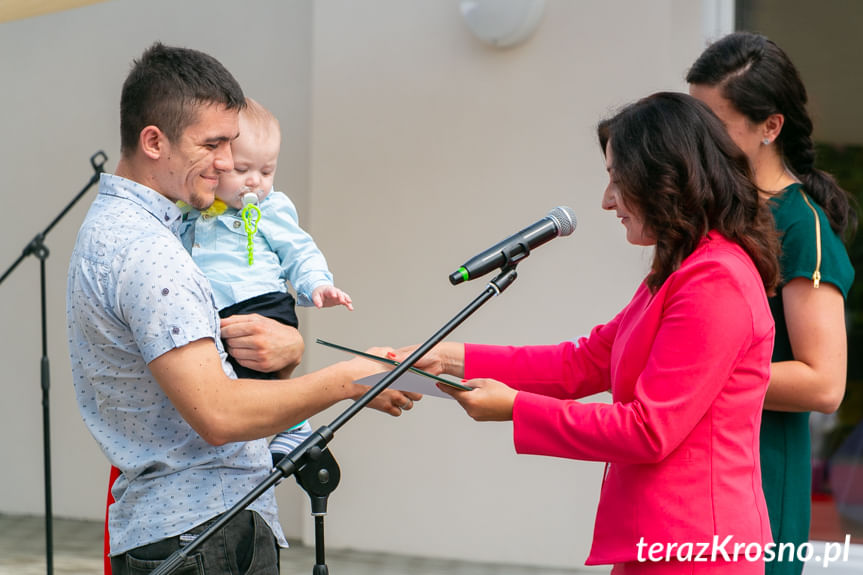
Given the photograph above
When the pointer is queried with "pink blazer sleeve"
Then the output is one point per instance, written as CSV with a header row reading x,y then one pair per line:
x,y
704,326
568,370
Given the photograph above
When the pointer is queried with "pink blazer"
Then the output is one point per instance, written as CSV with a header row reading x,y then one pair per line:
x,y
687,369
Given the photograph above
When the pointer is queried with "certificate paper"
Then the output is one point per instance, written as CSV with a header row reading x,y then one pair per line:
x,y
414,379
408,381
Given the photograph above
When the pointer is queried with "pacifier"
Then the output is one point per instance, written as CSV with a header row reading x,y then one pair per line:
x,y
249,196
251,215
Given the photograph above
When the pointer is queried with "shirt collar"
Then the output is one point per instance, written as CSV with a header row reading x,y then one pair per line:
x,y
161,207
191,213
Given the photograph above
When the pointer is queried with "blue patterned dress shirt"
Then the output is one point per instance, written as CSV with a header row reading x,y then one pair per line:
x,y
133,294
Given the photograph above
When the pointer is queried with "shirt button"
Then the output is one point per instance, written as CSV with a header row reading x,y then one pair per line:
x,y
236,224
175,330
205,216
165,291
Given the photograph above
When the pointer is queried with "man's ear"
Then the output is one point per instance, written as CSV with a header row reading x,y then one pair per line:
x,y
152,142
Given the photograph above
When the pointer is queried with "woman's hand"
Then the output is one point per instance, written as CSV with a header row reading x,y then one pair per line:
x,y
446,357
489,400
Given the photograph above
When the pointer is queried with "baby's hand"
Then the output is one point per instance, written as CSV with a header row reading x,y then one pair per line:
x,y
329,296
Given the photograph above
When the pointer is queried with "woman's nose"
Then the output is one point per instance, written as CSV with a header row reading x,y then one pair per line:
x,y
608,200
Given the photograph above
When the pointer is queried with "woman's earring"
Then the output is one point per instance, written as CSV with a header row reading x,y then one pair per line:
x,y
766,141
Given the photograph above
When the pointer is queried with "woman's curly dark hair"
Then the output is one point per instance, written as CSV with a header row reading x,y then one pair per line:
x,y
679,170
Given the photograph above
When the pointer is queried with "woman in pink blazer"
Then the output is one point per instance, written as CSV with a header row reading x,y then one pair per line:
x,y
686,361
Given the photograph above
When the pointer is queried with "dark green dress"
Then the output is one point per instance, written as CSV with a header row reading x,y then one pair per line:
x,y
785,445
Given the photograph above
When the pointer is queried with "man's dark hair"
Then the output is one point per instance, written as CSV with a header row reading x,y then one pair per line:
x,y
165,88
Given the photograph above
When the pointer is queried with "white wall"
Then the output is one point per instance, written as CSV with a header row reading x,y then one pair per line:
x,y
408,147
61,79
428,147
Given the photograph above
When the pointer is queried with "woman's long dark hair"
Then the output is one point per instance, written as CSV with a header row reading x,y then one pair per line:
x,y
678,168
759,80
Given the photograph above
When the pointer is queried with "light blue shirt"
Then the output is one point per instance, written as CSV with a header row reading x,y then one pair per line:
x,y
134,293
282,251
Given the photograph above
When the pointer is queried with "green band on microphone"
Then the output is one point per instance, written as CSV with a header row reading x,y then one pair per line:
x,y
464,273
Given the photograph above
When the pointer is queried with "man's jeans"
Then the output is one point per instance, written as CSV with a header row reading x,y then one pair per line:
x,y
245,546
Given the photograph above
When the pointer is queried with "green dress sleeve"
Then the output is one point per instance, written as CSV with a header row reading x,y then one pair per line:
x,y
810,247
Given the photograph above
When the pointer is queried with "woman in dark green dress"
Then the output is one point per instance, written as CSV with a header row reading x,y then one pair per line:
x,y
751,84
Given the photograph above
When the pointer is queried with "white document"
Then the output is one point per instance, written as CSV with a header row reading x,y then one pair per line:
x,y
408,381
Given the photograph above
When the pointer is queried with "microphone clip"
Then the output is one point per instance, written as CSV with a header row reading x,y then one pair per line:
x,y
514,253
504,279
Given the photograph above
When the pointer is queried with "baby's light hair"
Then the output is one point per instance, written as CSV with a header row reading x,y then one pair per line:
x,y
259,116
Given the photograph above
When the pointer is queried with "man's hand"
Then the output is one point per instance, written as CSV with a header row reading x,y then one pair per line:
x,y
263,344
390,400
394,402
329,296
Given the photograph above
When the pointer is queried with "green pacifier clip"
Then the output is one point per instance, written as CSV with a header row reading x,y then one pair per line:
x,y
251,215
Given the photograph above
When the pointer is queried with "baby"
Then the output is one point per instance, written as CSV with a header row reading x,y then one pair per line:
x,y
248,243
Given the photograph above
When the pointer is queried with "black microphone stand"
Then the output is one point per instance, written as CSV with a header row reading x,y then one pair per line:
x,y
37,248
316,469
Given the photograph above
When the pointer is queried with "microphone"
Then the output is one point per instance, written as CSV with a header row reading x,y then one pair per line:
x,y
559,222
